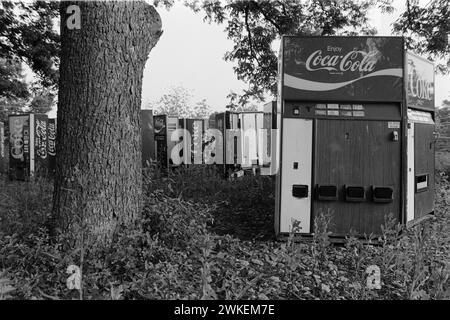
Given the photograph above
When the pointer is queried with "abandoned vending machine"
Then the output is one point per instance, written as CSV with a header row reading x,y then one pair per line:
x,y
419,88
164,126
271,119
148,138
229,126
192,136
345,138
27,146
3,151
251,123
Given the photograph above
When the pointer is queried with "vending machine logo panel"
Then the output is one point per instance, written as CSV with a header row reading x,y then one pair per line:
x,y
338,68
19,138
420,82
40,137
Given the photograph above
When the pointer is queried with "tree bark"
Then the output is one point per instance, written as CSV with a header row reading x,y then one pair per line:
x,y
98,172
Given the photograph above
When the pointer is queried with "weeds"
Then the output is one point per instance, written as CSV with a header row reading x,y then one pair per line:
x,y
198,237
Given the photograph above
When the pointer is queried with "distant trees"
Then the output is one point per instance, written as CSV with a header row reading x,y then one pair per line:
x,y
178,102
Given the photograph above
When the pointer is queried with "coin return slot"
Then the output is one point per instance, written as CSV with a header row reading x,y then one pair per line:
x,y
300,191
421,183
327,192
354,193
382,194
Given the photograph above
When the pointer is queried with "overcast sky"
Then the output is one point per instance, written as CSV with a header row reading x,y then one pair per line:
x,y
190,54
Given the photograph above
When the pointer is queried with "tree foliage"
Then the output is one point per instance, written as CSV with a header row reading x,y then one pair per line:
x,y
12,83
178,102
426,29
27,33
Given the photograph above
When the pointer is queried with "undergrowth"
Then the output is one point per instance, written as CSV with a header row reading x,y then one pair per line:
x,y
202,237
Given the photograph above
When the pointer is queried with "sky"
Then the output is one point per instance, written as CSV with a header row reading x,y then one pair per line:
x,y
190,54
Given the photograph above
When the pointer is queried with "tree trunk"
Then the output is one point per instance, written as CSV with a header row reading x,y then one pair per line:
x,y
98,172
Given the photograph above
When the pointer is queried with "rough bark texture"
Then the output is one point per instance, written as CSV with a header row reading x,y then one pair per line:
x,y
98,171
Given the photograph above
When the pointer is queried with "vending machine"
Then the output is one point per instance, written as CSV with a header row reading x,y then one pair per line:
x,y
148,138
350,142
164,126
3,152
271,119
193,140
253,141
419,88
229,126
27,146
51,145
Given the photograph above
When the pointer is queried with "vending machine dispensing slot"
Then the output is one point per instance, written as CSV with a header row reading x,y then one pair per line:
x,y
382,194
354,193
300,191
327,192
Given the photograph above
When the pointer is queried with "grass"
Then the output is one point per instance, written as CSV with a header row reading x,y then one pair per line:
x,y
200,236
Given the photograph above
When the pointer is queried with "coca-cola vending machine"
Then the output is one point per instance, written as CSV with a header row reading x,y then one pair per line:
x,y
419,88
51,145
3,151
27,146
345,142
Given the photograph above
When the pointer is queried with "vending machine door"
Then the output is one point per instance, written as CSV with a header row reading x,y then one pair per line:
x,y
423,169
357,173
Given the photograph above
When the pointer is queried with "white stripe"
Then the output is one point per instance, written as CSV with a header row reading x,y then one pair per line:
x,y
302,84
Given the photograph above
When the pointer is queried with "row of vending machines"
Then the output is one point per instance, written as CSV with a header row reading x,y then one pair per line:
x,y
236,141
27,146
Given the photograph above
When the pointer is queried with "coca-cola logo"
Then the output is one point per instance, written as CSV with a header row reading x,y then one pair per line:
x,y
419,87
354,61
41,139
51,134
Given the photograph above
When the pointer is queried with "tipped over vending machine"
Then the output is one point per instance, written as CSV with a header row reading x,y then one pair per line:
x,y
27,146
352,145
